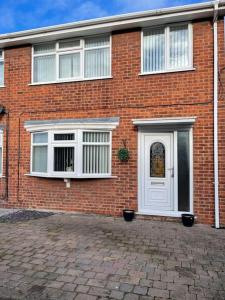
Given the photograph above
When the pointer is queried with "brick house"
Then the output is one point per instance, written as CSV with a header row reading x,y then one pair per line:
x,y
72,95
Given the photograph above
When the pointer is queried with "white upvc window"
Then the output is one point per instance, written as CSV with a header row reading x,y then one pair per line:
x,y
1,153
166,49
72,59
1,67
71,153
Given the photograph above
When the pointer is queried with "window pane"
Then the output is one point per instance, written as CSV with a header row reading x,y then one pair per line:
x,y
96,137
179,47
64,159
40,137
97,42
44,68
1,160
39,159
157,160
1,73
64,136
97,63
1,54
95,159
69,44
69,65
44,48
183,171
154,50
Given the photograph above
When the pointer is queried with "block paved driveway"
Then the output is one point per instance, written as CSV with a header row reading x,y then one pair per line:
x,y
89,257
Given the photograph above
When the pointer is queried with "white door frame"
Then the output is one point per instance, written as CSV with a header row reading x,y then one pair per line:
x,y
145,130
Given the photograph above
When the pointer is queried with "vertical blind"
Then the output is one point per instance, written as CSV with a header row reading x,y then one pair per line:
x,y
95,64
166,48
69,65
63,159
154,50
96,152
40,152
1,72
39,159
44,68
1,68
178,47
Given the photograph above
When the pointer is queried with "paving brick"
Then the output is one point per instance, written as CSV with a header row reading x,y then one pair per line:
x,y
158,293
116,295
141,290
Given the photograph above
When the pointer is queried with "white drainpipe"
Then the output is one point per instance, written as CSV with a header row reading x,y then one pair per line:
x,y
216,175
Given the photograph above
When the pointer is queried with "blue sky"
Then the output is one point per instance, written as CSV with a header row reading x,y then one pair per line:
x,y
19,15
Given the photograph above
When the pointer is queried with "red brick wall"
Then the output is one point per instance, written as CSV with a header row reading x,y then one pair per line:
x,y
221,122
126,95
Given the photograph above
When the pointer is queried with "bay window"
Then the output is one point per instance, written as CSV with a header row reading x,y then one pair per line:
x,y
72,59
74,153
1,67
167,48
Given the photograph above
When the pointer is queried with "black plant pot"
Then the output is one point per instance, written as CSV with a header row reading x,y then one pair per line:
x,y
128,215
188,220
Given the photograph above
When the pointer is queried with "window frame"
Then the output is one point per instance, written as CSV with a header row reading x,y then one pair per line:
x,y
2,59
77,143
71,50
166,28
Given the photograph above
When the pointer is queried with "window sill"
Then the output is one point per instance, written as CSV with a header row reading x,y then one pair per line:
x,y
68,81
168,71
68,176
2,86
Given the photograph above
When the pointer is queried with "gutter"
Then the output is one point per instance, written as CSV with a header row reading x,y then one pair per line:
x,y
216,173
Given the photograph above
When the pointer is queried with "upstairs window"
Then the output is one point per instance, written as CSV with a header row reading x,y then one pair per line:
x,y
72,59
1,67
167,48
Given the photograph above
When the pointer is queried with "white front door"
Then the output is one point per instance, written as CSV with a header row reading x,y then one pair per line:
x,y
158,172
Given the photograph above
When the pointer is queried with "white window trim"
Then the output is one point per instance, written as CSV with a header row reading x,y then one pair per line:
x,y
71,50
78,154
166,32
1,146
2,59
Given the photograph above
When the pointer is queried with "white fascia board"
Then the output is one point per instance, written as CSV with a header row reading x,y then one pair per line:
x,y
164,121
109,24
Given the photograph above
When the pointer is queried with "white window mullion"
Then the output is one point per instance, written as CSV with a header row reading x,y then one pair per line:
x,y
167,47
57,66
